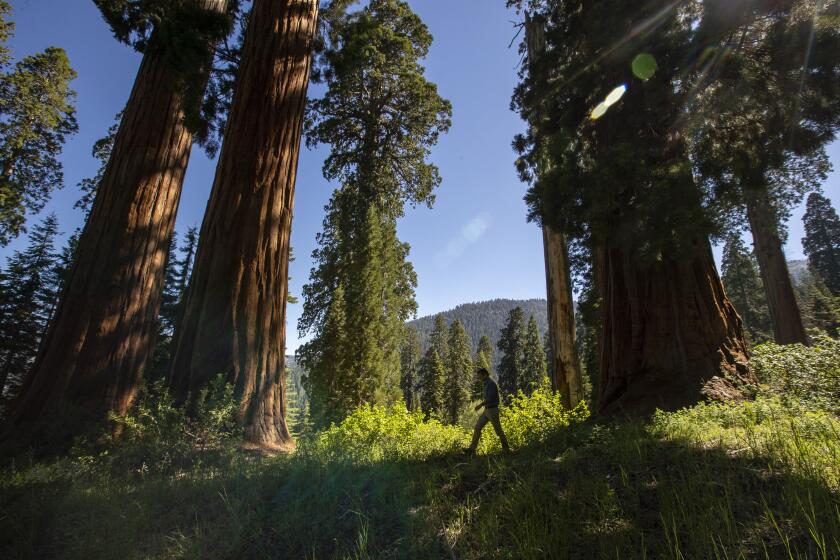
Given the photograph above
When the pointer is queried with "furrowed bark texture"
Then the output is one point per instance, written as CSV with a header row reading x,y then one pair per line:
x,y
93,353
778,288
565,370
669,335
235,313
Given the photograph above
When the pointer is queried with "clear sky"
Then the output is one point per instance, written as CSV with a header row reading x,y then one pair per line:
x,y
474,245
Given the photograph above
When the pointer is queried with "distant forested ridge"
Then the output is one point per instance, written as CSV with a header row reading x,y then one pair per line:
x,y
484,318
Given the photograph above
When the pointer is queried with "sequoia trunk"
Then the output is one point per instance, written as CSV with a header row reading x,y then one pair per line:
x,y
778,288
565,369
669,334
103,329
235,313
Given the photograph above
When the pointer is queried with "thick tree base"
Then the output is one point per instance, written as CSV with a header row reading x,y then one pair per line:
x,y
670,335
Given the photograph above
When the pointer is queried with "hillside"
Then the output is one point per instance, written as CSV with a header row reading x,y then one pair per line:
x,y
484,318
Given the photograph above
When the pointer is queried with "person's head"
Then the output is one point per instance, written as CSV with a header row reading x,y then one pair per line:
x,y
483,373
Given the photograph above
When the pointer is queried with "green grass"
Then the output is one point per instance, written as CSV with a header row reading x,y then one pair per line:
x,y
754,480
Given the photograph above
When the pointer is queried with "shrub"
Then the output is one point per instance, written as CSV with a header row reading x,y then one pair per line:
x,y
533,419
158,437
376,433
797,372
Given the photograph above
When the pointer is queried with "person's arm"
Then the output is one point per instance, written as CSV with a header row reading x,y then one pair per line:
x,y
479,405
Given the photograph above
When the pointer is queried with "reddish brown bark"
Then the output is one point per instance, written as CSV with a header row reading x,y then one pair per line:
x,y
92,355
235,313
669,333
778,288
565,369
566,376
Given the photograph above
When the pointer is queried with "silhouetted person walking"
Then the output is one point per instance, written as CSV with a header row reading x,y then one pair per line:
x,y
490,412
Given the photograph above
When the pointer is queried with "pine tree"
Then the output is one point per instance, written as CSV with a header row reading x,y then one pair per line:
x,y
37,113
822,241
30,289
176,279
511,343
432,374
483,360
533,372
409,367
103,333
438,338
459,373
739,273
820,308
101,152
380,117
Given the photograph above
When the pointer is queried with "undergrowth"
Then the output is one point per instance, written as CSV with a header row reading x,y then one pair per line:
x,y
721,481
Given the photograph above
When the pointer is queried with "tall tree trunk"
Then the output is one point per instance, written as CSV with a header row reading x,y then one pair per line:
x,y
103,330
669,334
778,288
565,369
234,319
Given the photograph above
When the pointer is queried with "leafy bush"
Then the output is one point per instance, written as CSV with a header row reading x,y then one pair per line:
x,y
158,437
376,433
533,419
797,372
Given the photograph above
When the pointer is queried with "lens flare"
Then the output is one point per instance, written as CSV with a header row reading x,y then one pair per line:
x,y
599,111
615,95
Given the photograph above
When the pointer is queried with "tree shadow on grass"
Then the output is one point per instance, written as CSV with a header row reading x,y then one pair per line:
x,y
586,494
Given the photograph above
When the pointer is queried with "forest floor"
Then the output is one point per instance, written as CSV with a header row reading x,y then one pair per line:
x,y
753,480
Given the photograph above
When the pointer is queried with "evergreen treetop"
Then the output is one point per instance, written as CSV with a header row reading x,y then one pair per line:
x,y
822,240
37,114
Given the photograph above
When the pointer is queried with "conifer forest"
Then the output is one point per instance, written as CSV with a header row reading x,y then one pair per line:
x,y
421,279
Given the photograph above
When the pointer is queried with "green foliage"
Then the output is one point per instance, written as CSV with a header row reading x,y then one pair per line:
x,y
158,438
374,433
533,419
37,113
176,278
410,367
822,240
432,375
511,343
485,318
185,37
534,367
29,291
380,117
819,307
101,151
459,373
801,374
741,279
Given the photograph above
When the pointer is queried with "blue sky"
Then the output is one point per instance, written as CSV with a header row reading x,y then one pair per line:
x,y
474,245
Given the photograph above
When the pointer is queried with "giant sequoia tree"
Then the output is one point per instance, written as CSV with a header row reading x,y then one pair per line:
x,y
234,317
763,123
104,328
621,179
380,117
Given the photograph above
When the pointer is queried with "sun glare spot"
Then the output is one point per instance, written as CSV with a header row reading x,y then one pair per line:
x,y
599,111
615,95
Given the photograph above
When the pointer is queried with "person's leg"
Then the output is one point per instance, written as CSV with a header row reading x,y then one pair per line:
x,y
493,414
479,425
